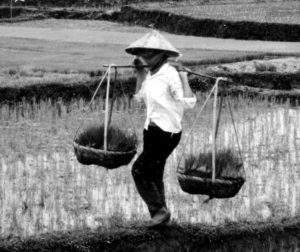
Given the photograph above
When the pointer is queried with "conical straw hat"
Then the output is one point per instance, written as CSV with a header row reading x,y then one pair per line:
x,y
153,40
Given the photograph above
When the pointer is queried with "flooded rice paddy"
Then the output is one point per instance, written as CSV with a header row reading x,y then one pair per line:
x,y
43,187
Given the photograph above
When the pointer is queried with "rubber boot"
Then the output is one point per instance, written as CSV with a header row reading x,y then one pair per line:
x,y
161,218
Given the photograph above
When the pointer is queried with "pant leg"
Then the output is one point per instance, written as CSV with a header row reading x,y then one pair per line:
x,y
145,184
143,174
174,140
148,169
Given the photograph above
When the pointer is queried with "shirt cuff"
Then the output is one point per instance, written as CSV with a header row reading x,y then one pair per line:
x,y
189,102
138,97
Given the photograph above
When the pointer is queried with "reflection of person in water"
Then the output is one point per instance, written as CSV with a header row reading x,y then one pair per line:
x,y
166,93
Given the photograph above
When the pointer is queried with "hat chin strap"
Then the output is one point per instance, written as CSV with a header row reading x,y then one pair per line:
x,y
158,65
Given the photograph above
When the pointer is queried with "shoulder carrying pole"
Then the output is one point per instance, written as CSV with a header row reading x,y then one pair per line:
x,y
184,69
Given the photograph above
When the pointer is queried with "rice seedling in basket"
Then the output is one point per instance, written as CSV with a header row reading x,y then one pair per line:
x,y
105,145
216,174
89,147
228,164
196,177
117,140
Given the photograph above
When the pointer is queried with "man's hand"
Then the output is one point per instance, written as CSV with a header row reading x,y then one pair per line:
x,y
138,63
140,72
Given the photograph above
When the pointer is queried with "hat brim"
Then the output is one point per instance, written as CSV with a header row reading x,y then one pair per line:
x,y
137,50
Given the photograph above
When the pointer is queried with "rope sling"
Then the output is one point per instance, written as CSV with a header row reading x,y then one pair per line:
x,y
109,159
214,187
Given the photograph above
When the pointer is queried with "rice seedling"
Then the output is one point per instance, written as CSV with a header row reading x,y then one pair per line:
x,y
117,139
44,188
228,164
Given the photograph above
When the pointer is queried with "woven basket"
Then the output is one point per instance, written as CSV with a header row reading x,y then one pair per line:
x,y
224,187
109,159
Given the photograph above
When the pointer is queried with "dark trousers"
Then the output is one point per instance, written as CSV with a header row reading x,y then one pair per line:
x,y
148,169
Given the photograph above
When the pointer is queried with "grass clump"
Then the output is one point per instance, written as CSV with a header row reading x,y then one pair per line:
x,y
228,164
117,140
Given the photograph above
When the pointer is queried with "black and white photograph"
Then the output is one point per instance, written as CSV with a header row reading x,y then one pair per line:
x,y
152,126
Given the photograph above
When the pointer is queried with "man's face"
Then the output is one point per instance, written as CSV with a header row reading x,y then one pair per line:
x,y
151,57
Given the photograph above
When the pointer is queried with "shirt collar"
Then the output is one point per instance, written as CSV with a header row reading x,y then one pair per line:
x,y
162,70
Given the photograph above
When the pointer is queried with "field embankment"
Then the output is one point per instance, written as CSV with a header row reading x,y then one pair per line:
x,y
63,59
272,21
275,78
209,27
263,236
278,86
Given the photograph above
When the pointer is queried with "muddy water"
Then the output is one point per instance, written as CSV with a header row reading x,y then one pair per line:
x,y
52,191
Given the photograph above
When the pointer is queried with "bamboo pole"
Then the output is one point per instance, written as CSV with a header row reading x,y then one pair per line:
x,y
214,130
106,108
124,66
183,69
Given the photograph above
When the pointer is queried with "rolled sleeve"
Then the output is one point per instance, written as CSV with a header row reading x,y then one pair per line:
x,y
189,102
177,91
138,97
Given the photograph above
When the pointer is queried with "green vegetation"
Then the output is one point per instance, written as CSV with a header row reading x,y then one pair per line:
x,y
117,139
228,164
285,12
46,189
240,236
259,20
239,28
118,3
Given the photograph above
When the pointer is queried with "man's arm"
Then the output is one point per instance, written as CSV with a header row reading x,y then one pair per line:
x,y
187,91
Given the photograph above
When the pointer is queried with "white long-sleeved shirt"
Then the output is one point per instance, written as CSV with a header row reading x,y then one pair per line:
x,y
162,93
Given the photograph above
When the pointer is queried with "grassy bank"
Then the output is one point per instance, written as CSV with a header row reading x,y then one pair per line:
x,y
284,12
221,28
18,84
276,21
228,237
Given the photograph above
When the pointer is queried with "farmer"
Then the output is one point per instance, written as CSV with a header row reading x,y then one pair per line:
x,y
166,93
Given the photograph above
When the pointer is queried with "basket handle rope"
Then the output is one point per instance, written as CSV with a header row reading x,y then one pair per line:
x,y
123,90
193,125
91,101
215,91
124,95
130,114
236,135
